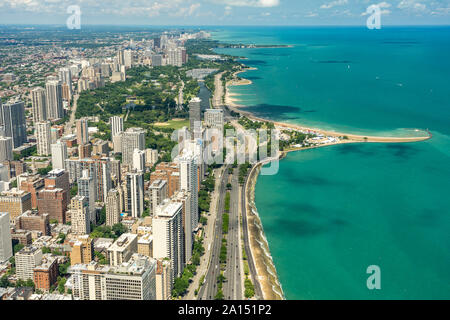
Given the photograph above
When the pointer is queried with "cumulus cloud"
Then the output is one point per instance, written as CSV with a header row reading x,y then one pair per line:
x,y
249,3
333,4
412,5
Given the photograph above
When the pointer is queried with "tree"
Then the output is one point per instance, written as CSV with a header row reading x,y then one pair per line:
x,y
18,247
4,282
119,229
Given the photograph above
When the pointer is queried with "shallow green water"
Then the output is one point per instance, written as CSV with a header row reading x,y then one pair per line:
x,y
330,213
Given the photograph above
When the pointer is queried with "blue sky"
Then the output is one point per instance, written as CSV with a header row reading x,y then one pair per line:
x,y
225,12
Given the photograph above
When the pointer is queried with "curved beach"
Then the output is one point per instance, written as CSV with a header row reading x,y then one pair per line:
x,y
259,246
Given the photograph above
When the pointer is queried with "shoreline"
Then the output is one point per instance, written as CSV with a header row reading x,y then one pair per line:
x,y
266,271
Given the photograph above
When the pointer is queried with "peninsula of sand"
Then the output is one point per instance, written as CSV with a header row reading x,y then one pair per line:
x,y
266,272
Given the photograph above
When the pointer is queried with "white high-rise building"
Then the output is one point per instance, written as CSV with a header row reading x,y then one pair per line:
x,y
59,155
54,100
116,126
133,280
189,183
168,235
43,137
139,160
39,104
6,251
26,260
128,58
80,216
113,208
87,188
6,147
135,193
133,138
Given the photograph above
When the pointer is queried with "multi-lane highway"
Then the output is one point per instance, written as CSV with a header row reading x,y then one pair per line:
x,y
209,290
233,272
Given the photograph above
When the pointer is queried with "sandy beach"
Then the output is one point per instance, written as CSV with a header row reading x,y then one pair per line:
x,y
267,275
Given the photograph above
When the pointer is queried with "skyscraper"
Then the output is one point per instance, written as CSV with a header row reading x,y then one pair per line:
x,y
133,138
13,120
54,100
167,235
189,183
195,113
59,155
116,125
135,193
80,217
39,104
139,160
6,251
6,146
113,209
65,77
128,58
86,188
82,132
43,137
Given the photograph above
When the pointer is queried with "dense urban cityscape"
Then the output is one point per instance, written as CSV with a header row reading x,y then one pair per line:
x,y
94,205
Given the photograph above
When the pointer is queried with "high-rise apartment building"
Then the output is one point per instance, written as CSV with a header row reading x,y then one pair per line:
x,y
80,217
135,193
65,77
6,149
13,120
113,208
26,260
43,138
82,132
163,279
189,183
39,104
6,251
139,160
86,188
53,201
54,99
134,280
116,125
15,202
168,235
157,193
133,138
59,154
195,113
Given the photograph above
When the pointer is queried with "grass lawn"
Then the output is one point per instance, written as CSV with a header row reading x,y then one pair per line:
x,y
174,124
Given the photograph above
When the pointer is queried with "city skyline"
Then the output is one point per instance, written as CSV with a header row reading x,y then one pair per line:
x,y
229,12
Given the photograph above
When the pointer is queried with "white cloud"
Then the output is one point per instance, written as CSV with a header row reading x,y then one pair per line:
x,y
249,3
333,4
412,5
383,8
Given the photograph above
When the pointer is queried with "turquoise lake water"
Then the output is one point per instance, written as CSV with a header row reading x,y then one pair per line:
x,y
330,213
